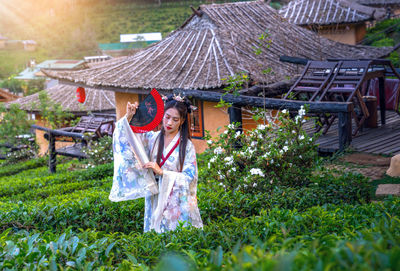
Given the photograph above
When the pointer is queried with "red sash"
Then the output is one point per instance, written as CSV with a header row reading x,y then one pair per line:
x,y
164,159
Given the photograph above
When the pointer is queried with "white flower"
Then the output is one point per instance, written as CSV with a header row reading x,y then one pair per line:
x,y
302,111
257,171
271,181
301,157
301,137
253,143
285,148
209,142
218,150
254,184
226,131
209,166
237,134
233,169
231,126
213,159
251,151
229,160
284,111
272,161
261,127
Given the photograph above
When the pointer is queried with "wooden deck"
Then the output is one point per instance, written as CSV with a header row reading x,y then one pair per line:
x,y
385,139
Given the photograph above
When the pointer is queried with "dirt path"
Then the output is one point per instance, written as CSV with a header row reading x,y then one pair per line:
x,y
371,166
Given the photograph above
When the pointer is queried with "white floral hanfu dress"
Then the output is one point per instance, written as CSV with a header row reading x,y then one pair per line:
x,y
176,201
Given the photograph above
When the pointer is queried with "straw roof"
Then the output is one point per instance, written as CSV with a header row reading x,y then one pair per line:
x,y
326,12
65,95
379,2
6,96
217,42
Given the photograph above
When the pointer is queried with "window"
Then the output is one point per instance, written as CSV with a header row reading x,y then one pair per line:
x,y
196,119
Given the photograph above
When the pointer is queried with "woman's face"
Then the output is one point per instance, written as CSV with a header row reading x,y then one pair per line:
x,y
171,121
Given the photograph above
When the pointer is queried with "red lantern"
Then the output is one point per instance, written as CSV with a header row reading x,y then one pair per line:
x,y
80,93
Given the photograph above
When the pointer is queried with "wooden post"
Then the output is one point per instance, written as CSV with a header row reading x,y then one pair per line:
x,y
382,99
235,115
345,130
52,153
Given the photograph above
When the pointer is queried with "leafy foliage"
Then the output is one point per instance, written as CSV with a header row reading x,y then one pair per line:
x,y
52,113
66,221
99,151
14,123
268,156
13,85
385,33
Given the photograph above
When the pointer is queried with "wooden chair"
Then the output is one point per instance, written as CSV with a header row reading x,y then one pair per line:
x,y
313,80
345,86
96,126
92,124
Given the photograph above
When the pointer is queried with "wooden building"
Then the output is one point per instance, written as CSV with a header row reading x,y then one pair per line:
x,y
97,101
6,96
216,42
339,20
392,7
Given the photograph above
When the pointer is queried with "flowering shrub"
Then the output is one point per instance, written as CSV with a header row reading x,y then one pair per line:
x,y
21,155
99,151
272,154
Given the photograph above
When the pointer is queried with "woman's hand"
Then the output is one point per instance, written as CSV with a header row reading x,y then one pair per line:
x,y
131,110
155,167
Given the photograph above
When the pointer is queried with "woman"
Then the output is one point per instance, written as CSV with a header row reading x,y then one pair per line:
x,y
173,161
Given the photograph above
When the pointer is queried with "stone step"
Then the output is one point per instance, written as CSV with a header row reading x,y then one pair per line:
x,y
388,189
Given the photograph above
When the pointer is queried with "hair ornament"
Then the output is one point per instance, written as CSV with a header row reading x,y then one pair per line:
x,y
178,98
193,108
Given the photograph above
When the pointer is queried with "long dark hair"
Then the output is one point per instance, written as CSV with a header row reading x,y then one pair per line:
x,y
183,107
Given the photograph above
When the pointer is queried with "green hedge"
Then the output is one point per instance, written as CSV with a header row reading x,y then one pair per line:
x,y
362,238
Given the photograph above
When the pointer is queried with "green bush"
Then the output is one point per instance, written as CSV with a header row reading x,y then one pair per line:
x,y
14,123
365,237
11,169
261,159
99,151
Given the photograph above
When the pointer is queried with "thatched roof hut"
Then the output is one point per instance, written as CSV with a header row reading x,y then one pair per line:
x,y
65,95
327,12
392,7
379,3
6,96
217,41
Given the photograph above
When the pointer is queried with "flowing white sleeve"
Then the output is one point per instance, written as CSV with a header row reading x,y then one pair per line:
x,y
130,181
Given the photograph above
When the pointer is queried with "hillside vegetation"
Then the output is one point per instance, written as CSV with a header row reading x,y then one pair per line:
x,y
72,29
